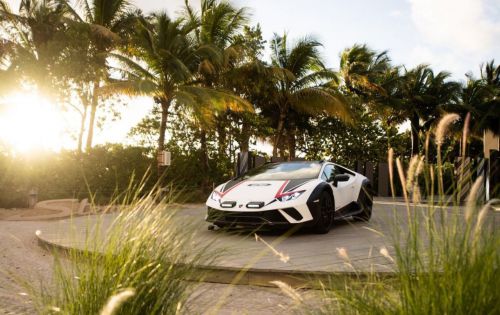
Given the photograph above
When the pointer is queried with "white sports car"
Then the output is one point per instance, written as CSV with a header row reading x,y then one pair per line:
x,y
310,193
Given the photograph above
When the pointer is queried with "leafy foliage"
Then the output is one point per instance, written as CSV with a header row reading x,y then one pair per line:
x,y
99,174
330,138
216,94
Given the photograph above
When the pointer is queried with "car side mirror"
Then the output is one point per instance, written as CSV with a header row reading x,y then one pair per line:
x,y
340,178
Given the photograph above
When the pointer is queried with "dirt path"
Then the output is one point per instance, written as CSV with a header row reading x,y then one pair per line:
x,y
20,258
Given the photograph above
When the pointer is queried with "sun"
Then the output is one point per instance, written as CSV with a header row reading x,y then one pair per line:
x,y
29,122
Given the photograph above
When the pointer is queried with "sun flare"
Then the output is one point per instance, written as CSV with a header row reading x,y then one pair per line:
x,y
30,122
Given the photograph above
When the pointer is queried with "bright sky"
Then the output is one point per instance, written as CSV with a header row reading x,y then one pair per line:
x,y
453,35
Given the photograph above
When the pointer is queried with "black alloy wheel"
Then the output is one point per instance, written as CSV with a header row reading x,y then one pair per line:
x,y
326,209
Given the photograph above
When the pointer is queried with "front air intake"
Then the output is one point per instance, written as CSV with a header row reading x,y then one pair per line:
x,y
293,213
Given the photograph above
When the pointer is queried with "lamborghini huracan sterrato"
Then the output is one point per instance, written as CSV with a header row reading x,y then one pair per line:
x,y
310,193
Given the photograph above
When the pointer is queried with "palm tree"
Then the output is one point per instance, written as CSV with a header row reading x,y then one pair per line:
x,y
7,74
250,78
362,69
164,66
35,38
50,50
480,98
216,25
303,87
422,94
490,74
108,23
370,81
253,81
476,98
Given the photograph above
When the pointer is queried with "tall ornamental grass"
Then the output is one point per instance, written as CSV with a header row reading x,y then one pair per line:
x,y
445,257
138,266
441,266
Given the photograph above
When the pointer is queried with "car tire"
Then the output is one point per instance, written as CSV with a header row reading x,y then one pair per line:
x,y
325,213
365,201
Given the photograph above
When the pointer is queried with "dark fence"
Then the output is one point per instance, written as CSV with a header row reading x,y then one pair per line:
x,y
458,178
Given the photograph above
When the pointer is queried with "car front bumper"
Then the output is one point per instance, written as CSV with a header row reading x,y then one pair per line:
x,y
255,218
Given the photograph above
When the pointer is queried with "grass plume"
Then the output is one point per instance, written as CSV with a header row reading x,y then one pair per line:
x,y
116,301
465,134
390,163
288,290
148,247
283,257
440,134
442,127
472,197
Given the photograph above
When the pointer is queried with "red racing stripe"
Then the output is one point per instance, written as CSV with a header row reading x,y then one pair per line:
x,y
281,189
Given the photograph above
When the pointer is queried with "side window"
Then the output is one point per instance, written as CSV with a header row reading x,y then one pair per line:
x,y
327,172
341,170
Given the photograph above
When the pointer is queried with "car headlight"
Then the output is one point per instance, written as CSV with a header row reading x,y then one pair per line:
x,y
215,196
290,196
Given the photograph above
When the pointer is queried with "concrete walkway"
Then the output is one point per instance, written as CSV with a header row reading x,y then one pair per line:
x,y
309,254
47,210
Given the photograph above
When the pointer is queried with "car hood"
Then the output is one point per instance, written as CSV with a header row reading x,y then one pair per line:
x,y
244,191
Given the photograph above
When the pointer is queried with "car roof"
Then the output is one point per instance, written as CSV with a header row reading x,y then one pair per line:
x,y
290,162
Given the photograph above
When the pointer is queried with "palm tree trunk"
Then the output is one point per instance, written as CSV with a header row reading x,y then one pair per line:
x,y
415,129
291,140
291,145
93,110
279,132
221,132
165,106
245,137
204,160
82,128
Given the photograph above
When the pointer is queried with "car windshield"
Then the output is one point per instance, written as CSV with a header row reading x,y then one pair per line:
x,y
284,171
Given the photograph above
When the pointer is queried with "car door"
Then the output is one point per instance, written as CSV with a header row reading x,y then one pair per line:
x,y
342,191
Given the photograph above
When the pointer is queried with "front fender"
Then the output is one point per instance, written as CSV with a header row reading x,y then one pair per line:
x,y
313,200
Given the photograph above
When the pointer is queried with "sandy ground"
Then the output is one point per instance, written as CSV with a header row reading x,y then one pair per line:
x,y
22,259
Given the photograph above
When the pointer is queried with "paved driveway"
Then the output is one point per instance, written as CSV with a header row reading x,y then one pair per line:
x,y
306,251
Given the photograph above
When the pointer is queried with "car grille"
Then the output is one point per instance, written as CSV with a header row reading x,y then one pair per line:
x,y
252,217
293,213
